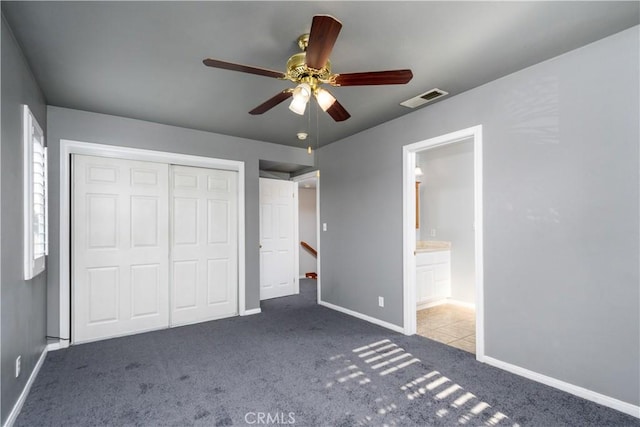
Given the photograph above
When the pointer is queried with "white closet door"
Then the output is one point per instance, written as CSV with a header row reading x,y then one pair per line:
x,y
204,244
120,247
278,225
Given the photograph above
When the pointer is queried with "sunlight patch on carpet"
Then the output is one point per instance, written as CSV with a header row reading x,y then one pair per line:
x,y
452,401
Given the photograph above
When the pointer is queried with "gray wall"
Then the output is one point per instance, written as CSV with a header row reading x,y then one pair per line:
x,y
561,214
307,228
23,303
104,129
446,206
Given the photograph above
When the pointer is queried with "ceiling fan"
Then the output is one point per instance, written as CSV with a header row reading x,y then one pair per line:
x,y
311,68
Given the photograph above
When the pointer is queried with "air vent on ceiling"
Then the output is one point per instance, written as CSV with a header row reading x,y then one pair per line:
x,y
423,98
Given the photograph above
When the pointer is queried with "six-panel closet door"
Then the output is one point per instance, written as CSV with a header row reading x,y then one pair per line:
x,y
153,245
204,244
120,250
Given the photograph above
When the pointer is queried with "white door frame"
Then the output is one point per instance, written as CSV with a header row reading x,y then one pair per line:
x,y
409,230
68,147
315,174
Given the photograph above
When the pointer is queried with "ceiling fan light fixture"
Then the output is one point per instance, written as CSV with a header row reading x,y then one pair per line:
x,y
301,95
325,99
302,92
298,105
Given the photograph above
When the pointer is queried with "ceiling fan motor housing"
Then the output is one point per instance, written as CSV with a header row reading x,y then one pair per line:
x,y
311,68
297,70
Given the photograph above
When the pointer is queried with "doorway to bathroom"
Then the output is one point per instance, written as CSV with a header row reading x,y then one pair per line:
x,y
443,239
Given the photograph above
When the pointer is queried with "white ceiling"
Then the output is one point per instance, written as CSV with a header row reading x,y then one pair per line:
x,y
144,59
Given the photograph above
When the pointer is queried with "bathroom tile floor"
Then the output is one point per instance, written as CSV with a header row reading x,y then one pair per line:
x,y
449,324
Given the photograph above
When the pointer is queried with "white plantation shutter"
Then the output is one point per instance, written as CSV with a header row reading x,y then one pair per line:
x,y
35,196
39,199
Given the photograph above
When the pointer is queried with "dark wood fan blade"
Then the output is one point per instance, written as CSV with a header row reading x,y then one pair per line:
x,y
392,77
323,35
243,68
269,104
337,112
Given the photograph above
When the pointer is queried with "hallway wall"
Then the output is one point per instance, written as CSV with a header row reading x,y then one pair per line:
x,y
447,209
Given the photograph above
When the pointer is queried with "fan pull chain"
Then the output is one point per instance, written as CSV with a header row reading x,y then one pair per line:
x,y
317,134
309,127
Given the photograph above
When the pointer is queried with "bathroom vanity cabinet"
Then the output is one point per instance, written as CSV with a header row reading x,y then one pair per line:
x,y
433,275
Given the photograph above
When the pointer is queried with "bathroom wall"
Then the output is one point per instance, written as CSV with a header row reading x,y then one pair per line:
x,y
447,210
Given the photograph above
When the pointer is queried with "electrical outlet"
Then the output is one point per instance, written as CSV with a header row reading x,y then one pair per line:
x,y
433,232
324,226
18,365
381,301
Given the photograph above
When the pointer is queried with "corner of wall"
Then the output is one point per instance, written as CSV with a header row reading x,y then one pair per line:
x,y
23,316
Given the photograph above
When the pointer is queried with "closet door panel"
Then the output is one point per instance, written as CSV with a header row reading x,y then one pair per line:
x,y
204,236
120,247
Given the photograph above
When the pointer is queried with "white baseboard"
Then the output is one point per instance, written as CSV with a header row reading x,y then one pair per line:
x,y
619,405
53,346
430,303
460,303
441,301
369,319
251,312
13,415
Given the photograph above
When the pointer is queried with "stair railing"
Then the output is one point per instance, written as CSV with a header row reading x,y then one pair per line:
x,y
309,248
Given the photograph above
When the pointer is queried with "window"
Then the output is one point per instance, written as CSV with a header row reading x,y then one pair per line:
x,y
35,196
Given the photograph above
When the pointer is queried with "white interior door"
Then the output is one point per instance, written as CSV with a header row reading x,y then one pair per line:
x,y
120,247
204,244
278,238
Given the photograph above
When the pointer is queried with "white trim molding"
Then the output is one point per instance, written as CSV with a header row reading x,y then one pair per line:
x,y
315,174
296,237
68,147
13,415
409,232
361,316
56,345
444,301
460,303
619,405
251,311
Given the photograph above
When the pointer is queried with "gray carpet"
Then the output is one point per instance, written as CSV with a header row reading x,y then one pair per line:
x,y
296,363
